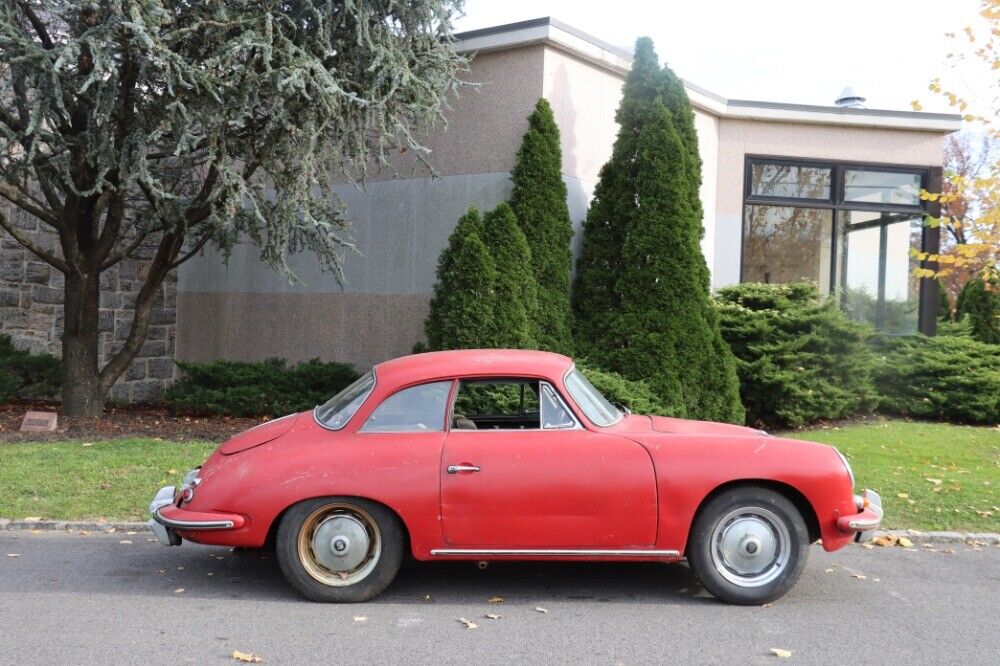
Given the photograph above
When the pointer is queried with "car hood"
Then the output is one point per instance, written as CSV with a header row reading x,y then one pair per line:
x,y
689,427
261,434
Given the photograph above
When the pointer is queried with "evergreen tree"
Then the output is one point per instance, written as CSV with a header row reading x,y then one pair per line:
x,y
944,304
979,301
539,202
516,290
643,302
612,211
461,310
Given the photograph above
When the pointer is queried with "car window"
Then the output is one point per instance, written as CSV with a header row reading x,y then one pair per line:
x,y
415,409
496,404
555,414
589,399
338,410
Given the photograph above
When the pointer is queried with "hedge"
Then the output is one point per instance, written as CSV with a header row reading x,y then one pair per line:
x,y
265,388
636,395
799,358
24,375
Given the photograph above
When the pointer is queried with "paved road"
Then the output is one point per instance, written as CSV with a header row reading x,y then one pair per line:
x,y
72,598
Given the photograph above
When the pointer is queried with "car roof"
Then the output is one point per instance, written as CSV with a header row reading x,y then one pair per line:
x,y
476,362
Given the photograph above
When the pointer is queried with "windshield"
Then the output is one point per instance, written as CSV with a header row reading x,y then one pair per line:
x,y
338,410
594,405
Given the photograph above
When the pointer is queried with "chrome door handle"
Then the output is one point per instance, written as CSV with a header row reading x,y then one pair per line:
x,y
455,469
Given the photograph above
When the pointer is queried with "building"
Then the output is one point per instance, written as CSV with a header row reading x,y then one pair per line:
x,y
826,193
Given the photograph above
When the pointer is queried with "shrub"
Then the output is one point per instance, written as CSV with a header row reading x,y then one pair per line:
x,y
636,395
264,388
799,358
516,290
24,375
949,377
461,309
979,303
538,199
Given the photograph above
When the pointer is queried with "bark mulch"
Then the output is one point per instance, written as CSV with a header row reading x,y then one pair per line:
x,y
120,422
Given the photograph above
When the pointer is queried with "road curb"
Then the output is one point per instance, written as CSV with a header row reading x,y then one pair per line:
x,y
915,536
86,526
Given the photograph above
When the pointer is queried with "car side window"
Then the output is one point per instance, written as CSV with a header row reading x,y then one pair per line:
x,y
555,413
415,409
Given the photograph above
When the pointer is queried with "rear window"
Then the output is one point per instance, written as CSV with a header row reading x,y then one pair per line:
x,y
338,410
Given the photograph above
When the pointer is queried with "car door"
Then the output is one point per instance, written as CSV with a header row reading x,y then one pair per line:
x,y
555,485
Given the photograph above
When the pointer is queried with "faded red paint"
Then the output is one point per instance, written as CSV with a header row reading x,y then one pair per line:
x,y
636,484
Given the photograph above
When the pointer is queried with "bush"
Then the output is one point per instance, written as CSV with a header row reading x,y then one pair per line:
x,y
636,395
979,303
950,377
799,358
24,375
265,388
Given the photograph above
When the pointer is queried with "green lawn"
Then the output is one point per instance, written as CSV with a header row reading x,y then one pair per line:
x,y
113,479
932,476
116,479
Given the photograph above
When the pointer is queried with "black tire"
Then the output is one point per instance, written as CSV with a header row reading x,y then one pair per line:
x,y
753,514
302,567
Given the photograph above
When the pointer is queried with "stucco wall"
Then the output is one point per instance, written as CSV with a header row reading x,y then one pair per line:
x,y
739,138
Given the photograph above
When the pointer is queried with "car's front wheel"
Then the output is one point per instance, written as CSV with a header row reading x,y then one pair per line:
x,y
748,545
340,549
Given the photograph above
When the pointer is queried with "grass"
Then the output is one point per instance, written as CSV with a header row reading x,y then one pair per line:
x,y
931,476
113,479
901,460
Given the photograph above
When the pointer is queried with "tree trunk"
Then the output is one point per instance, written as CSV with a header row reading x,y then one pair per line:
x,y
82,394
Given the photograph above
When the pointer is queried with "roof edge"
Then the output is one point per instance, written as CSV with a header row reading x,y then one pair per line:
x,y
555,33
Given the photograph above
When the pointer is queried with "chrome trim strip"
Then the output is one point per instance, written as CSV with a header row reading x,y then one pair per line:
x,y
574,552
193,524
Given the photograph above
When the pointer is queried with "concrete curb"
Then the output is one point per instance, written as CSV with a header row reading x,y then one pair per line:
x,y
120,526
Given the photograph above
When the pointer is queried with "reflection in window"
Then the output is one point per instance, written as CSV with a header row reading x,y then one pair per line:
x,y
882,187
774,179
415,409
787,244
878,285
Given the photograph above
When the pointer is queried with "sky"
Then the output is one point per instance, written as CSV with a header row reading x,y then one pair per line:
x,y
803,51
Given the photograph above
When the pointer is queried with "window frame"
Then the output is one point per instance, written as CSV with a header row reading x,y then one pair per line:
x,y
926,321
577,425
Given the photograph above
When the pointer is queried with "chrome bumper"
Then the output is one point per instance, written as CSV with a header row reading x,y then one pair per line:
x,y
164,497
868,518
165,526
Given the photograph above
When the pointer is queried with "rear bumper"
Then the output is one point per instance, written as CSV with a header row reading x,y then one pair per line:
x,y
869,515
169,519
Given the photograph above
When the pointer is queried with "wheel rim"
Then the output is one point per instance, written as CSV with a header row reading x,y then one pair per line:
x,y
339,544
751,546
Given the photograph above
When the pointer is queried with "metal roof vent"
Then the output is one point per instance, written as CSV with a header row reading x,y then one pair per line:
x,y
850,99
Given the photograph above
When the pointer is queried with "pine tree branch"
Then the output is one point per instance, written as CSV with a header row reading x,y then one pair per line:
x,y
37,24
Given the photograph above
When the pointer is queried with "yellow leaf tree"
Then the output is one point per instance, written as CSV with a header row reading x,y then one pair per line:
x,y
970,192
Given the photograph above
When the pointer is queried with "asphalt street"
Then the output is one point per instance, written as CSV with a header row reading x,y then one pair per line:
x,y
118,598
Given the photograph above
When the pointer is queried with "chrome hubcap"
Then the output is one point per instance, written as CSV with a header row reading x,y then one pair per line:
x,y
750,547
339,545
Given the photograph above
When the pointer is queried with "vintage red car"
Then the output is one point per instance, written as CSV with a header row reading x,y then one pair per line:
x,y
512,455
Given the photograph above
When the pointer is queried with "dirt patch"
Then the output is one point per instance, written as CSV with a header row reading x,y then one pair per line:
x,y
119,422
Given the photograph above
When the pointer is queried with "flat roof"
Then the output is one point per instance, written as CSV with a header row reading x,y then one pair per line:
x,y
553,32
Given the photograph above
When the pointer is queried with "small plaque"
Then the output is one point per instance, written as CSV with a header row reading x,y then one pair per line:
x,y
40,422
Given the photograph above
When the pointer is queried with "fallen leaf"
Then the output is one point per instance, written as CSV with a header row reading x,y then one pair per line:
x,y
905,543
427,597
936,482
902,496
886,540
88,444
360,618
783,654
859,576
829,570
541,610
768,606
492,616
245,657
33,519
171,471
179,590
13,554
496,600
468,623
125,541
867,545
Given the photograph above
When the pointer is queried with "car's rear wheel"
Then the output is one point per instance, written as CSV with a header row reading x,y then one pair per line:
x,y
748,545
340,549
